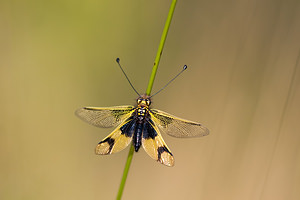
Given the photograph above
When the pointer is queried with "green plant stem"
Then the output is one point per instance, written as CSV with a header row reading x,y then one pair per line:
x,y
126,169
160,47
148,91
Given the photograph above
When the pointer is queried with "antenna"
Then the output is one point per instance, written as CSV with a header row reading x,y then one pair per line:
x,y
184,68
118,61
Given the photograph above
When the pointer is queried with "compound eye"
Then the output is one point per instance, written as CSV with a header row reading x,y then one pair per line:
x,y
139,101
148,102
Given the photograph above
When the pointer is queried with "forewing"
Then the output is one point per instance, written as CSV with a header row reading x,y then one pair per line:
x,y
116,141
105,116
155,146
177,127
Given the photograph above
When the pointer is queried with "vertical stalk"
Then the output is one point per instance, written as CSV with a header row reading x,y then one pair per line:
x,y
126,169
148,91
160,47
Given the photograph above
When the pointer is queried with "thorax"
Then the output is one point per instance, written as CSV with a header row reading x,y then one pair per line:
x,y
142,112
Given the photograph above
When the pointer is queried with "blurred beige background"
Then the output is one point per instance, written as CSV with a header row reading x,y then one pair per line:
x,y
243,83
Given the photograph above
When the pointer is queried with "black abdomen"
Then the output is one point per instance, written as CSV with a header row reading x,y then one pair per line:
x,y
137,137
137,126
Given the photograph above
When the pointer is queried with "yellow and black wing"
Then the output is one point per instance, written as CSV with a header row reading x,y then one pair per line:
x,y
177,127
155,146
105,117
116,141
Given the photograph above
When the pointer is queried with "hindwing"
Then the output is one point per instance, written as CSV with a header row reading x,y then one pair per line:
x,y
119,139
154,144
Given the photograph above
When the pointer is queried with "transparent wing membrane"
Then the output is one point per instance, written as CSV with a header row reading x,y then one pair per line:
x,y
105,117
177,127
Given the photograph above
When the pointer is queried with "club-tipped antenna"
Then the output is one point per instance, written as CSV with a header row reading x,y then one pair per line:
x,y
118,61
184,68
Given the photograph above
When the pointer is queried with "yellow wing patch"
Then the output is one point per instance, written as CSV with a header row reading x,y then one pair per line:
x,y
114,142
157,149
